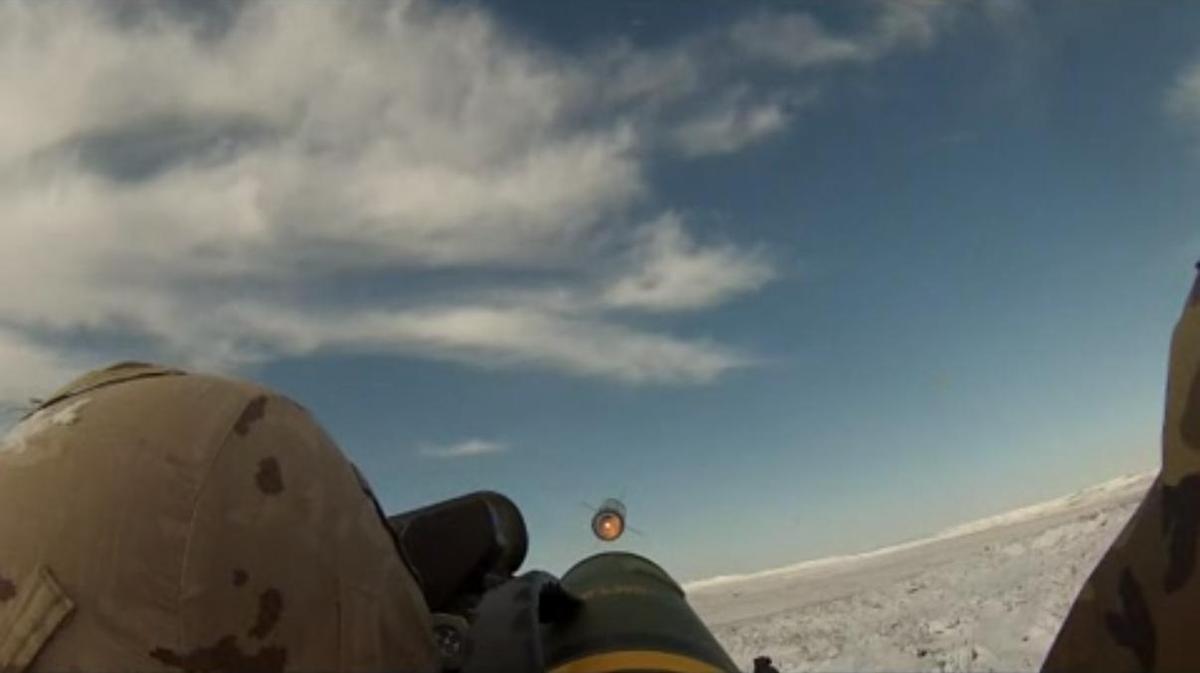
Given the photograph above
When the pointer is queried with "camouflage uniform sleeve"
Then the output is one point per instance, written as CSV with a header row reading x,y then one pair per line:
x,y
1140,608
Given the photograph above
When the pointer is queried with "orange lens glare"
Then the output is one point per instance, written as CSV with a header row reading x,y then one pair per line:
x,y
608,526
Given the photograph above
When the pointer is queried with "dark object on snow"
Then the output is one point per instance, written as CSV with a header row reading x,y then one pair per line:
x,y
763,665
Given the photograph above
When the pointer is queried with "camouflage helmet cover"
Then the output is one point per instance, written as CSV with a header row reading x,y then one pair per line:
x,y
156,520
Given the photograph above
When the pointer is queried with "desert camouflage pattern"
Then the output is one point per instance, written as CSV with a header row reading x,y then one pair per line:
x,y
1140,609
153,520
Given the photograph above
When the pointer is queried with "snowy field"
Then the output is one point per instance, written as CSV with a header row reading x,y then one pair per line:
x,y
987,596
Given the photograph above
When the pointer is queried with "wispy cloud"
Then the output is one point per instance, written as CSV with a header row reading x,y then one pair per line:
x,y
218,190
729,127
465,449
669,271
1183,99
799,41
795,40
29,369
487,336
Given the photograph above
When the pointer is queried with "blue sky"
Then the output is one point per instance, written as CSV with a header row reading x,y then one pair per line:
x,y
796,279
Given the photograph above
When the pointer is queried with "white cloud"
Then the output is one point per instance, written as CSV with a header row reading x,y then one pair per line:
x,y
408,136
908,23
729,129
208,194
672,272
795,40
488,336
622,73
1184,98
465,449
30,370
798,41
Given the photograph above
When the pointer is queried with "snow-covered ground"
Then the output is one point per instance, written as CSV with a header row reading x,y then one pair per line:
x,y
985,596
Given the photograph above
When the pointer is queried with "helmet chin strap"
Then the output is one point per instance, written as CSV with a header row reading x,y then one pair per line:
x,y
41,608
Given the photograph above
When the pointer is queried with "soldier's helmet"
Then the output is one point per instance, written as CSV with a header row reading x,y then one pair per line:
x,y
154,520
